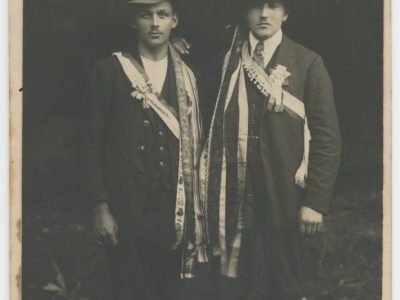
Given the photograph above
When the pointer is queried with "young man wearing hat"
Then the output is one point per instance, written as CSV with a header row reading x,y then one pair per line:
x,y
141,145
271,158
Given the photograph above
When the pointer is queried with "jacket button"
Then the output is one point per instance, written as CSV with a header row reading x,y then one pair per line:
x,y
146,123
161,164
161,148
141,148
160,133
180,212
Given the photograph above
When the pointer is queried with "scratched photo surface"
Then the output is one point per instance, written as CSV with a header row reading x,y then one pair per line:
x,y
63,38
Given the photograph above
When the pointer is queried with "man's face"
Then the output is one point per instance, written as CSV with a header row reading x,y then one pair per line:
x,y
266,18
154,23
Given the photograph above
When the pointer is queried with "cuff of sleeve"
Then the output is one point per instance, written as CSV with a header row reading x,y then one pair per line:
x,y
317,202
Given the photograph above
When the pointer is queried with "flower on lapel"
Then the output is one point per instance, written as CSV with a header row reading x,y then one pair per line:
x,y
279,75
278,78
137,95
140,93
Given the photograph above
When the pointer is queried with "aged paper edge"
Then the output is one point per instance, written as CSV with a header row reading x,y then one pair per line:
x,y
15,8
15,12
387,154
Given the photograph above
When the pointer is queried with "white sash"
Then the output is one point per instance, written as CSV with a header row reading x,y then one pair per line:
x,y
263,83
139,84
153,99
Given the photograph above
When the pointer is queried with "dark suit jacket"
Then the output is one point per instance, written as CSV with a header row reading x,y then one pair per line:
x,y
281,138
119,138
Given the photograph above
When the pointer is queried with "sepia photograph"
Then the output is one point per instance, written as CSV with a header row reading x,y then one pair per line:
x,y
200,149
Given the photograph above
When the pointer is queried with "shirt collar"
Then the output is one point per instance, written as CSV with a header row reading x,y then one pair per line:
x,y
272,42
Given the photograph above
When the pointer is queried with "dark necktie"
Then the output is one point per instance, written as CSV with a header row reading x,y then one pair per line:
x,y
258,56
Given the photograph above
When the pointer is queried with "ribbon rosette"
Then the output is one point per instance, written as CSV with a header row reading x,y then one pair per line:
x,y
137,95
140,93
279,75
278,78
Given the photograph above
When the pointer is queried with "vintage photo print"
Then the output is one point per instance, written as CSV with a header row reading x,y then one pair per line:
x,y
182,149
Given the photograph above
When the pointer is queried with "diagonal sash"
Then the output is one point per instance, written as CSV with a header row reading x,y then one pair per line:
x,y
265,85
213,163
289,102
141,83
188,130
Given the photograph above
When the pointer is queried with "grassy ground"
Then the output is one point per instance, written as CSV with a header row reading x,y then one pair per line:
x,y
346,262
343,264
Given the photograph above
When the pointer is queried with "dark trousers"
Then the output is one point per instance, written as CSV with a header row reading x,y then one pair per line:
x,y
142,272
276,263
141,277
270,259
202,287
142,264
269,268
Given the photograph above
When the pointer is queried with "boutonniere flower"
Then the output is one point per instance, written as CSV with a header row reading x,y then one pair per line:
x,y
137,95
279,75
141,91
278,78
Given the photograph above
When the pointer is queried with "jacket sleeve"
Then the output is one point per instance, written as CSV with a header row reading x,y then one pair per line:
x,y
325,144
92,139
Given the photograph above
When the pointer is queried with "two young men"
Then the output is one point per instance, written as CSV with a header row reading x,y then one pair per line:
x,y
269,164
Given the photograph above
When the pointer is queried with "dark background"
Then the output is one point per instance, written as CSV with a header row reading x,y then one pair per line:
x,y
62,39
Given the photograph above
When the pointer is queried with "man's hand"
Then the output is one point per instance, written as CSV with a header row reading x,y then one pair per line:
x,y
310,221
181,45
105,227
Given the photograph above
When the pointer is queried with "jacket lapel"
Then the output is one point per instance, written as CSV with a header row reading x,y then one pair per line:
x,y
285,56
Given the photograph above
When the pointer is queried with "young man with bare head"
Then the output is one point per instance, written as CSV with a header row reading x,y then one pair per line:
x,y
141,145
271,159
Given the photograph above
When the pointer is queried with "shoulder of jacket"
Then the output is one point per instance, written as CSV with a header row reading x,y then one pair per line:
x,y
106,64
190,66
303,51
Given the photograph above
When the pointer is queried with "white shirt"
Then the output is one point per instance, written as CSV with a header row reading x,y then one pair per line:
x,y
270,45
156,70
